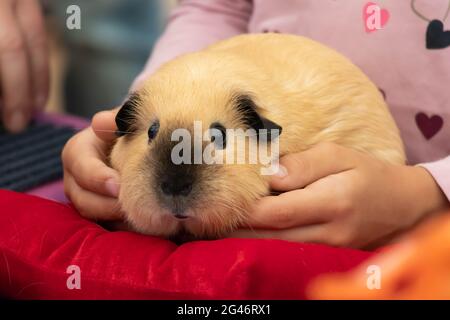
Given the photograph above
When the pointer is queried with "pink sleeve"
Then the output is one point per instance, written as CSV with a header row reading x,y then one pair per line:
x,y
195,24
440,170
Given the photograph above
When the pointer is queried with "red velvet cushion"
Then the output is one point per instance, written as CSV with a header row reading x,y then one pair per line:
x,y
40,239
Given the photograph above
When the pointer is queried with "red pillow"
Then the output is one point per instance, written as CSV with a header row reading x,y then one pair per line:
x,y
41,239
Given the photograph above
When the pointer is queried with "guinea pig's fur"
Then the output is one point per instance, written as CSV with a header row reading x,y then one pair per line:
x,y
313,93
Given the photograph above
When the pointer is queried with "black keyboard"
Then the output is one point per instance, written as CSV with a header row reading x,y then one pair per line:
x,y
33,157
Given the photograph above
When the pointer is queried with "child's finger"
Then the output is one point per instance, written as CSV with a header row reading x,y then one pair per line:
x,y
292,209
92,174
30,18
14,71
314,233
91,205
84,158
104,125
309,166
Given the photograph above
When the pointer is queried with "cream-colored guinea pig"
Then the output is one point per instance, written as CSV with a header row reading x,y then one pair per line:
x,y
263,81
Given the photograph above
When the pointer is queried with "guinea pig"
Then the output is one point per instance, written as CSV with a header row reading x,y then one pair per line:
x,y
294,85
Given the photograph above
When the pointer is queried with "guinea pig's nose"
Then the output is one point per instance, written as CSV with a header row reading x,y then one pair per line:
x,y
175,187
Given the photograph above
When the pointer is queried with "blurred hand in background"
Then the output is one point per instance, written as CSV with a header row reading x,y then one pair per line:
x,y
105,55
24,62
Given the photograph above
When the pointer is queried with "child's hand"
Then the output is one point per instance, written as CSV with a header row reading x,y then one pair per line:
x,y
338,196
89,183
24,62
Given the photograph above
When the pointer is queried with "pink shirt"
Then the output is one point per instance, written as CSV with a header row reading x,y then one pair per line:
x,y
415,80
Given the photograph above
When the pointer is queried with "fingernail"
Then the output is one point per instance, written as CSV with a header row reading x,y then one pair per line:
x,y
16,121
281,172
112,187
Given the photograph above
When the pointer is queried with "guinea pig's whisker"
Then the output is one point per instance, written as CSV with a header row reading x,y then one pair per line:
x,y
231,208
117,183
237,209
130,132
250,227
241,211
115,131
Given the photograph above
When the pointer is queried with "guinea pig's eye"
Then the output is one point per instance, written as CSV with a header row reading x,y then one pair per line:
x,y
153,130
218,135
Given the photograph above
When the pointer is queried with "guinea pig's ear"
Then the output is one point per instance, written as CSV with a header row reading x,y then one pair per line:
x,y
126,117
247,107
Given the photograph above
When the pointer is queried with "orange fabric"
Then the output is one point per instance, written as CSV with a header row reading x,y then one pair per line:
x,y
416,268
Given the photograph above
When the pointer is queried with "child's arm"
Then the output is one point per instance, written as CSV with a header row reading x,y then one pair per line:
x,y
440,170
194,25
